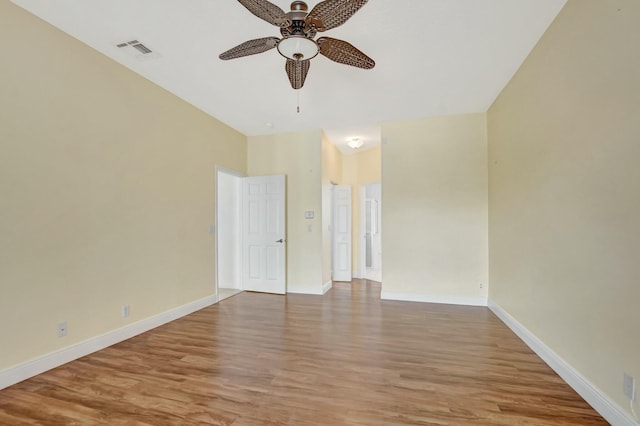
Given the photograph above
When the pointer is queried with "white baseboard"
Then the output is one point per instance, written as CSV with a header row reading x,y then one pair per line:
x,y
327,286
57,358
607,408
305,289
424,298
356,274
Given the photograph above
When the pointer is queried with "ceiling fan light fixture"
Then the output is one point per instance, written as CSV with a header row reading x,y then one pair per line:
x,y
355,143
297,47
299,29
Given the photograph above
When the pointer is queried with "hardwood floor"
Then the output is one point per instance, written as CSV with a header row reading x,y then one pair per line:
x,y
225,293
343,359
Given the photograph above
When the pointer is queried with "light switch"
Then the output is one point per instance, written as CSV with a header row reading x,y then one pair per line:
x,y
309,228
309,214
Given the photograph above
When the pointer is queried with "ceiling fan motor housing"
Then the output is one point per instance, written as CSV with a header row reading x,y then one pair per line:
x,y
297,42
298,16
299,6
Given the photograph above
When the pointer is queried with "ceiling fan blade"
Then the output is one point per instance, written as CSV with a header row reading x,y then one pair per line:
x,y
268,11
329,14
250,47
344,53
297,72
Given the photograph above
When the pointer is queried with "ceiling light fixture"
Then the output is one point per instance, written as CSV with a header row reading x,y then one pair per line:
x,y
355,143
298,48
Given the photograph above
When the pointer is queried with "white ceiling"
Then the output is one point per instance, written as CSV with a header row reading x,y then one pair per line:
x,y
433,57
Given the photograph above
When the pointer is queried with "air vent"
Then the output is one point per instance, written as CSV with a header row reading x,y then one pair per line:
x,y
136,44
142,48
138,50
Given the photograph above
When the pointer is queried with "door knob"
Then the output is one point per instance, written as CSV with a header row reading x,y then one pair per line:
x,y
280,241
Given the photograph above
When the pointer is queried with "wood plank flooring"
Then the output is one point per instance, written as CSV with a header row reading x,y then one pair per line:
x,y
347,358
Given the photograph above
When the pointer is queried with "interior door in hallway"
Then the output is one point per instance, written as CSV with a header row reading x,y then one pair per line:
x,y
341,224
264,239
371,253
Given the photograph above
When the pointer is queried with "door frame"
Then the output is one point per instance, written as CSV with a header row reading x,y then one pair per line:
x,y
362,247
214,231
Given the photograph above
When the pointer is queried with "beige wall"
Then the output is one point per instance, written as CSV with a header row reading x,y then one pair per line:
x,y
564,146
331,172
298,156
434,209
106,191
360,169
369,165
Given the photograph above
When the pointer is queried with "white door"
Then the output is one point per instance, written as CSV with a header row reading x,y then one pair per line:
x,y
264,238
342,233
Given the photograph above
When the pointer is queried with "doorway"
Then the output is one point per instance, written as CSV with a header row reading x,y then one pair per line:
x,y
228,228
250,242
341,233
264,234
371,232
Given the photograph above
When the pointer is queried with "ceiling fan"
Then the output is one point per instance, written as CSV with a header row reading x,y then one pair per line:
x,y
298,29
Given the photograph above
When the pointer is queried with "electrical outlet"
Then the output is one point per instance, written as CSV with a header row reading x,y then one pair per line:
x,y
481,285
125,311
629,386
62,329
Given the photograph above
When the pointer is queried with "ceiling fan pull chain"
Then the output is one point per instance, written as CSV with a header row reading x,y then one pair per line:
x,y
298,94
